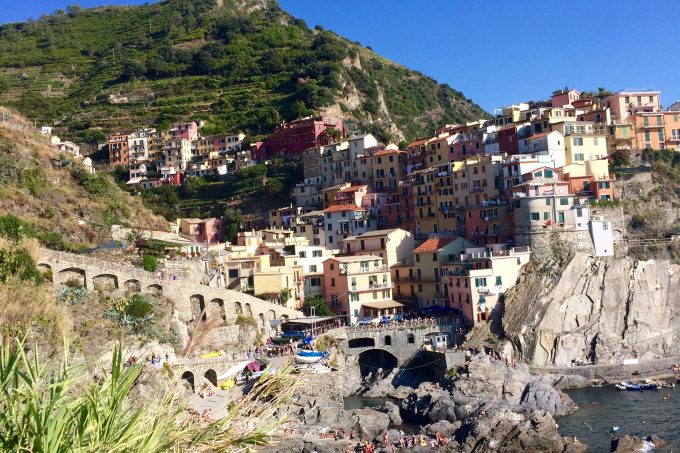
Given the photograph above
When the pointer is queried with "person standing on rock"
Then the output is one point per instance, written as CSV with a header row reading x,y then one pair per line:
x,y
386,440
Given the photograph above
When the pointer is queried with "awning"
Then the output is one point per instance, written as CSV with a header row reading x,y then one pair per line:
x,y
309,320
380,304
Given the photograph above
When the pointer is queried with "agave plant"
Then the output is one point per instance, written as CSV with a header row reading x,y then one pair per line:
x,y
60,408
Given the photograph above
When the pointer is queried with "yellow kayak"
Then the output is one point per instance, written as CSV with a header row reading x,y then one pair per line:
x,y
211,355
228,384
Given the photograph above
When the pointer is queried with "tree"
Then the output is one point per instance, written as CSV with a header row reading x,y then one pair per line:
x,y
403,145
321,308
193,186
73,10
273,187
132,69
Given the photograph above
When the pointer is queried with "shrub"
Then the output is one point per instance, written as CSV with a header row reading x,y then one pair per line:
x,y
149,263
18,262
139,307
71,295
637,222
246,321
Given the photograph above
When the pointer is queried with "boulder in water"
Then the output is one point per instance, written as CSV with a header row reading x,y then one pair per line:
x,y
369,423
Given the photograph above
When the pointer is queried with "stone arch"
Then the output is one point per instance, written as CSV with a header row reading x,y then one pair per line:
x,y
375,359
238,308
132,285
46,270
388,340
155,289
188,376
249,310
105,281
211,376
74,274
411,338
271,314
198,307
217,308
262,321
361,342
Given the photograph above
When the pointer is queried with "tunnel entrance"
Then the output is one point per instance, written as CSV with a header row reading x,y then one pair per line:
x,y
371,362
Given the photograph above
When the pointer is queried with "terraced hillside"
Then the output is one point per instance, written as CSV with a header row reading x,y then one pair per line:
x,y
236,64
63,206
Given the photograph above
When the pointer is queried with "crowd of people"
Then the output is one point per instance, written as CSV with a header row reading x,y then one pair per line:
x,y
404,442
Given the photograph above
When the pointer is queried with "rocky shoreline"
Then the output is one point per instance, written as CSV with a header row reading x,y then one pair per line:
x,y
487,406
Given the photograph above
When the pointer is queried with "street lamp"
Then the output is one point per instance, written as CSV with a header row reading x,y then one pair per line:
x,y
313,312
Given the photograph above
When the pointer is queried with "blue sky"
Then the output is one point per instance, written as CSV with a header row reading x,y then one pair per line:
x,y
496,52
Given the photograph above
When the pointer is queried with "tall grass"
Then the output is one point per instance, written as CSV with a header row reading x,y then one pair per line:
x,y
60,408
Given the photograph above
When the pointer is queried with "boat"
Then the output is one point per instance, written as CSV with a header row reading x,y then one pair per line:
x,y
632,387
620,386
310,356
648,386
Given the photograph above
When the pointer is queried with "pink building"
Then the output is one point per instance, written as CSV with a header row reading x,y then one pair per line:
x,y
186,131
202,230
560,98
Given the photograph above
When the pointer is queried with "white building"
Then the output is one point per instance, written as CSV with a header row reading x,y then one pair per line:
x,y
66,147
342,221
548,144
603,236
177,153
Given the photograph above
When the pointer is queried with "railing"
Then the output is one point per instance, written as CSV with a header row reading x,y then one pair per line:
x,y
364,270
379,285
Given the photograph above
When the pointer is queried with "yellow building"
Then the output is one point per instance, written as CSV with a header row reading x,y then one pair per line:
x,y
430,260
584,147
393,246
274,281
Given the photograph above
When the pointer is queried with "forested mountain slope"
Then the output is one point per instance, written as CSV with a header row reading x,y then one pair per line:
x,y
237,64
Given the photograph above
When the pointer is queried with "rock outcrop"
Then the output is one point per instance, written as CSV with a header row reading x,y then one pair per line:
x,y
594,309
631,444
486,385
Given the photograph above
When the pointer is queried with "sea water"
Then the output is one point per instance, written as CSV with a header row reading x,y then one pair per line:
x,y
646,413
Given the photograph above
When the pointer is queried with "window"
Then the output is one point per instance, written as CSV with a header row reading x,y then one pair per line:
x,y
579,157
317,253
547,201
434,257
605,226
648,137
546,215
333,282
564,201
303,254
316,281
312,268
578,141
330,239
332,267
661,135
233,273
499,280
579,212
480,282
534,216
548,173
595,141
417,258
560,217
353,297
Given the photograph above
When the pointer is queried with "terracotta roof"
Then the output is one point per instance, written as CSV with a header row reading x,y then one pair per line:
x,y
343,207
420,141
434,244
384,152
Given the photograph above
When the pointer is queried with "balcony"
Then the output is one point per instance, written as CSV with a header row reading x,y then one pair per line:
x,y
653,125
379,285
476,189
364,270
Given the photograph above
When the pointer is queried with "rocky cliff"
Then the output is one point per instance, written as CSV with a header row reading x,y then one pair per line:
x,y
594,309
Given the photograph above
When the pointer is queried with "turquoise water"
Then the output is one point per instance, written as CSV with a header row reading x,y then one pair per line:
x,y
637,413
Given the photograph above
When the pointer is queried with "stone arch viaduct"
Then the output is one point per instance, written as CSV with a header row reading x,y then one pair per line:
x,y
191,299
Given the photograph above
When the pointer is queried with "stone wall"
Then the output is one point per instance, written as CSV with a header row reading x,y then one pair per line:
x,y
553,241
190,298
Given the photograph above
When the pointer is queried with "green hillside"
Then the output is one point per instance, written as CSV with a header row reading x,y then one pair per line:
x,y
236,64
